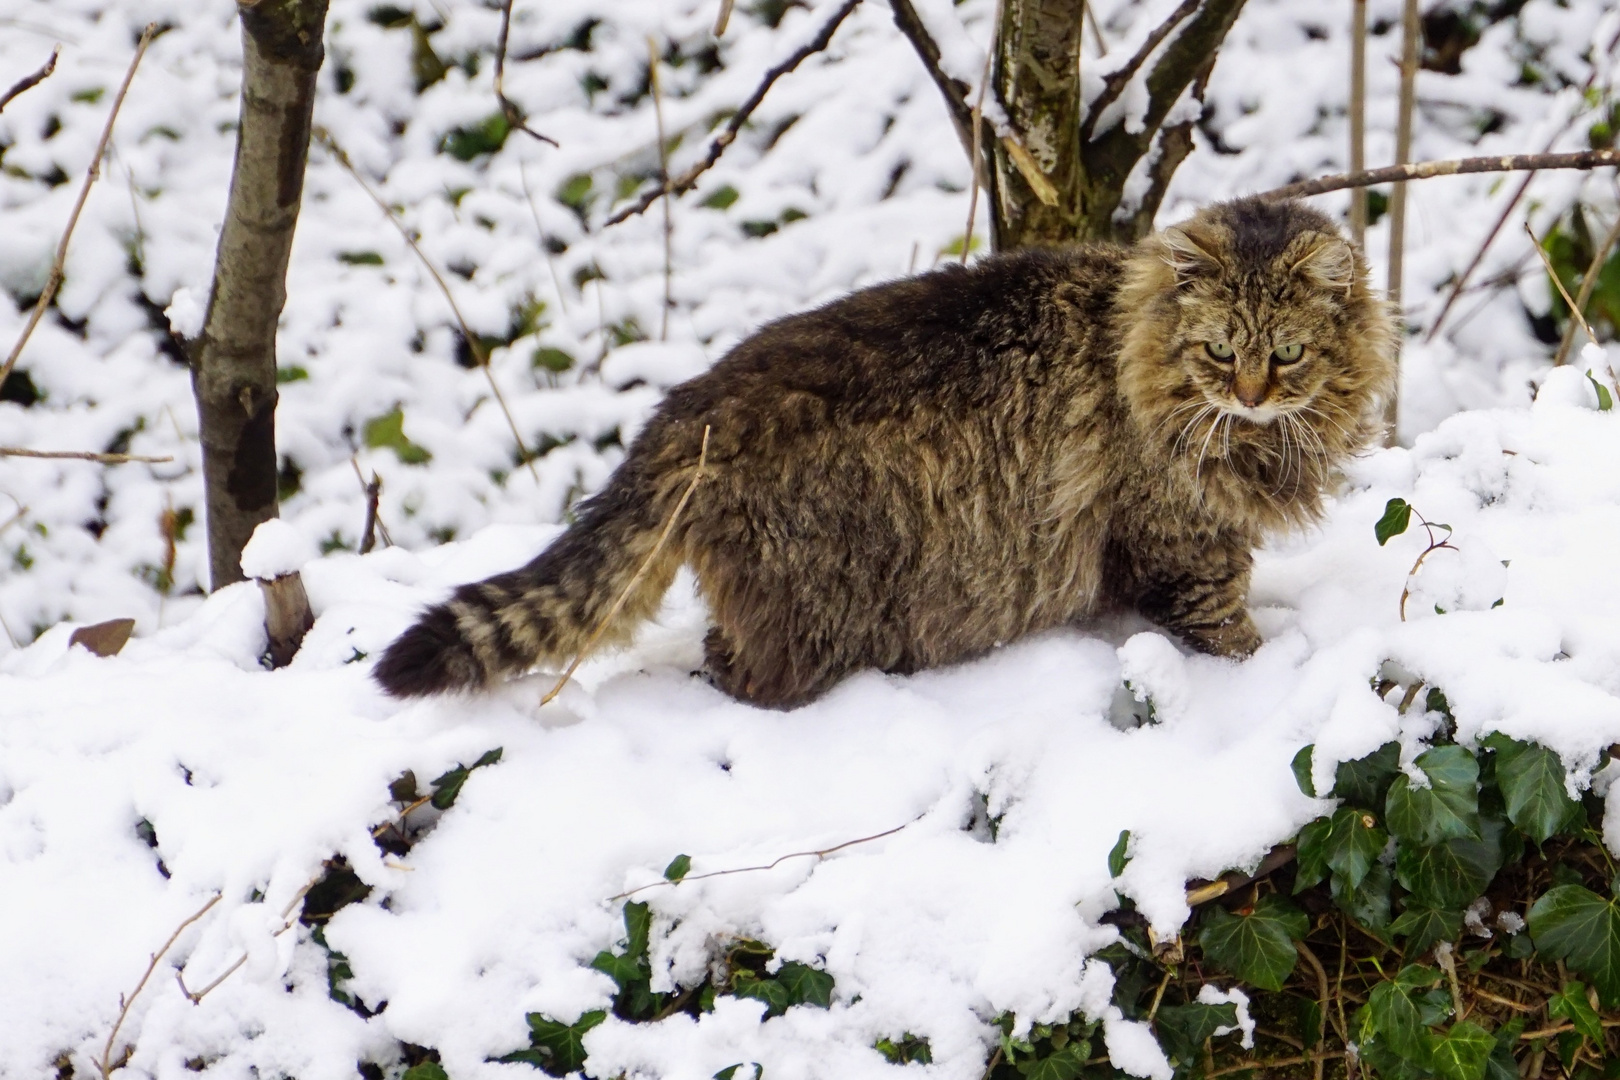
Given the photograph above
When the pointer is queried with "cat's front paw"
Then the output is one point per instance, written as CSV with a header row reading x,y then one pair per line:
x,y
1236,638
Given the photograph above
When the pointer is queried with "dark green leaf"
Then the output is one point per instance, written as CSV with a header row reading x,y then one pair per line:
x,y
1461,1053
1532,782
805,985
1310,865
1416,977
1365,781
1605,399
403,790
425,1070
556,1047
1354,844
1571,1004
1424,927
622,969
906,1049
1367,904
1435,701
1310,1021
1569,1044
677,868
1574,924
1064,1064
1257,948
637,928
772,993
1501,1065
488,757
447,787
1393,1016
1182,1029
1302,771
1448,875
1116,855
1397,515
1445,810
730,1071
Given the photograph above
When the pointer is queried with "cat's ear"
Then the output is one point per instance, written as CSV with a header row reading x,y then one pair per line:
x,y
1188,255
1329,264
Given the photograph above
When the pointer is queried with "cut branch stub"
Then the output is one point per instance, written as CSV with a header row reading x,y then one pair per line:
x,y
287,617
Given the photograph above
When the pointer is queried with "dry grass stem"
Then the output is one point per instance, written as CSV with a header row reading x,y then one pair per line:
x,y
1358,118
822,853
288,922
1411,42
28,82
104,1065
724,17
53,280
373,493
514,115
540,231
977,161
657,89
728,134
641,572
83,455
1423,170
1588,283
1574,310
475,346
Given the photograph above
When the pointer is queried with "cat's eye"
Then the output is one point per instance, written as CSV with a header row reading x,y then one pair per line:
x,y
1220,350
1287,354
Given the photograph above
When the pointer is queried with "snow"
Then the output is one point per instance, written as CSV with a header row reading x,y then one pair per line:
x,y
248,781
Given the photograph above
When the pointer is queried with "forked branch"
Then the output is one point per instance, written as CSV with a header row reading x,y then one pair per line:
x,y
514,115
28,82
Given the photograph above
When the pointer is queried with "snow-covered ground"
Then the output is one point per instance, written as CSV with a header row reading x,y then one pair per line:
x,y
247,781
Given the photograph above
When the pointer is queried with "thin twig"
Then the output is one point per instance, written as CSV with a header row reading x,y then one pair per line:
x,y
514,115
53,281
368,531
1276,1063
28,82
1358,118
104,1066
1158,995
1575,312
1321,986
373,513
663,182
641,572
728,134
1434,545
978,134
820,854
288,922
1423,170
22,512
1090,16
1115,82
399,819
1588,282
540,231
475,346
722,18
84,455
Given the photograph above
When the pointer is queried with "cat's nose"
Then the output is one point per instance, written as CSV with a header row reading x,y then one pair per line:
x,y
1251,396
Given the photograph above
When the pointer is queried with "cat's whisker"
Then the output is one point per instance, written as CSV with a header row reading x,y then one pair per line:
x,y
1187,431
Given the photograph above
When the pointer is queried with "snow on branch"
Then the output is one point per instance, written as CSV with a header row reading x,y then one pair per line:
x,y
1422,170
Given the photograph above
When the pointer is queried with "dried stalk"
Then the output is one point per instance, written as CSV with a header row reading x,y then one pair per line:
x,y
1588,282
1411,32
1575,313
513,115
772,865
28,82
641,572
104,1065
728,134
1358,118
722,18
474,346
978,134
1423,170
53,281
663,183
288,922
83,455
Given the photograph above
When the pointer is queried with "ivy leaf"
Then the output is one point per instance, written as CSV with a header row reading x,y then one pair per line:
x,y
1448,875
1570,922
638,929
1423,927
1532,782
1354,844
448,786
805,985
1259,947
1397,516
1393,1016
730,1071
1571,1004
772,993
555,1047
1501,1065
1064,1064
1605,399
1368,903
1447,809
1310,854
623,970
1116,855
677,868
426,1070
1302,770
1182,1029
1365,781
1462,1052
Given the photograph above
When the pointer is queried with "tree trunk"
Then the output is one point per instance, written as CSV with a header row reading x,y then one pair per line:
x,y
234,364
1037,78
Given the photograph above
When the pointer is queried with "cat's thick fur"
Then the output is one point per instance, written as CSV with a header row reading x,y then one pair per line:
x,y
926,469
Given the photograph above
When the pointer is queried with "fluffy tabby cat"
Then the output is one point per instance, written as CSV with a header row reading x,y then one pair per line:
x,y
926,469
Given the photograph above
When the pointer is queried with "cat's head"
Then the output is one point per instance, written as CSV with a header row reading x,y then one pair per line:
x,y
1259,310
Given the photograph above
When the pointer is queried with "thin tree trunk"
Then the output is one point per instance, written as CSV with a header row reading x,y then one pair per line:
x,y
234,364
1037,77
1358,118
1411,33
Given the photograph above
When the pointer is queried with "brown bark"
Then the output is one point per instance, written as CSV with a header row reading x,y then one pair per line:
x,y
1037,78
287,617
234,362
1422,170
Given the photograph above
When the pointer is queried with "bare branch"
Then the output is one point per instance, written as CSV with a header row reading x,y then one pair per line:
x,y
53,281
1175,143
104,1065
475,346
1422,170
1115,82
683,183
953,91
1578,308
83,455
1358,117
28,82
514,115
721,19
